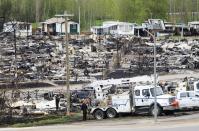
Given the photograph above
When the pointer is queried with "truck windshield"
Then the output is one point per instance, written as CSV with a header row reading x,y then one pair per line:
x,y
158,91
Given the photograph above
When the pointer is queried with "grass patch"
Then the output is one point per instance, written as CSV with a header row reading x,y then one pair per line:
x,y
46,120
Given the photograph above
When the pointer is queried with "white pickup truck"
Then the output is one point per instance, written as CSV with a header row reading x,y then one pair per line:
x,y
143,97
187,100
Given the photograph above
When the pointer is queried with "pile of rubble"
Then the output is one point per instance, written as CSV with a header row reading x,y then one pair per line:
x,y
43,58
37,60
137,55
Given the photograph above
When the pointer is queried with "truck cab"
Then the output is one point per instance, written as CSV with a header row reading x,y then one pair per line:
x,y
188,100
144,99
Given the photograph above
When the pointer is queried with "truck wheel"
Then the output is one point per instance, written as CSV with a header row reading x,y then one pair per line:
x,y
99,114
168,112
111,113
152,110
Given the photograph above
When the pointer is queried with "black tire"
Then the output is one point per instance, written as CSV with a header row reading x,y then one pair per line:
x,y
99,114
152,110
168,112
111,113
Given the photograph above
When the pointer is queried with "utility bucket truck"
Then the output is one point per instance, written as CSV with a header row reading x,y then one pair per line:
x,y
137,98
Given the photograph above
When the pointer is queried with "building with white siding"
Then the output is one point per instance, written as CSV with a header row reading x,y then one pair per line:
x,y
56,26
114,28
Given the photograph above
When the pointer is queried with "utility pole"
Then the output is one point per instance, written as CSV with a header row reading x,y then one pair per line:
x,y
79,15
155,79
79,18
132,96
118,56
174,10
197,8
37,10
15,58
66,16
170,10
155,73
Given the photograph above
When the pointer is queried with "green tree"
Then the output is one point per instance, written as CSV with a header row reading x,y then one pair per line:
x,y
95,11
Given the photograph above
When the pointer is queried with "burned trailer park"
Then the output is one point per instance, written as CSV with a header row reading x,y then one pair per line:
x,y
45,73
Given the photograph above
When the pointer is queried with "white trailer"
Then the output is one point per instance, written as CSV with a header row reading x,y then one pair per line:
x,y
141,98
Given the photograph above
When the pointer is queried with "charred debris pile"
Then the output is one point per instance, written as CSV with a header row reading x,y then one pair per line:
x,y
42,58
